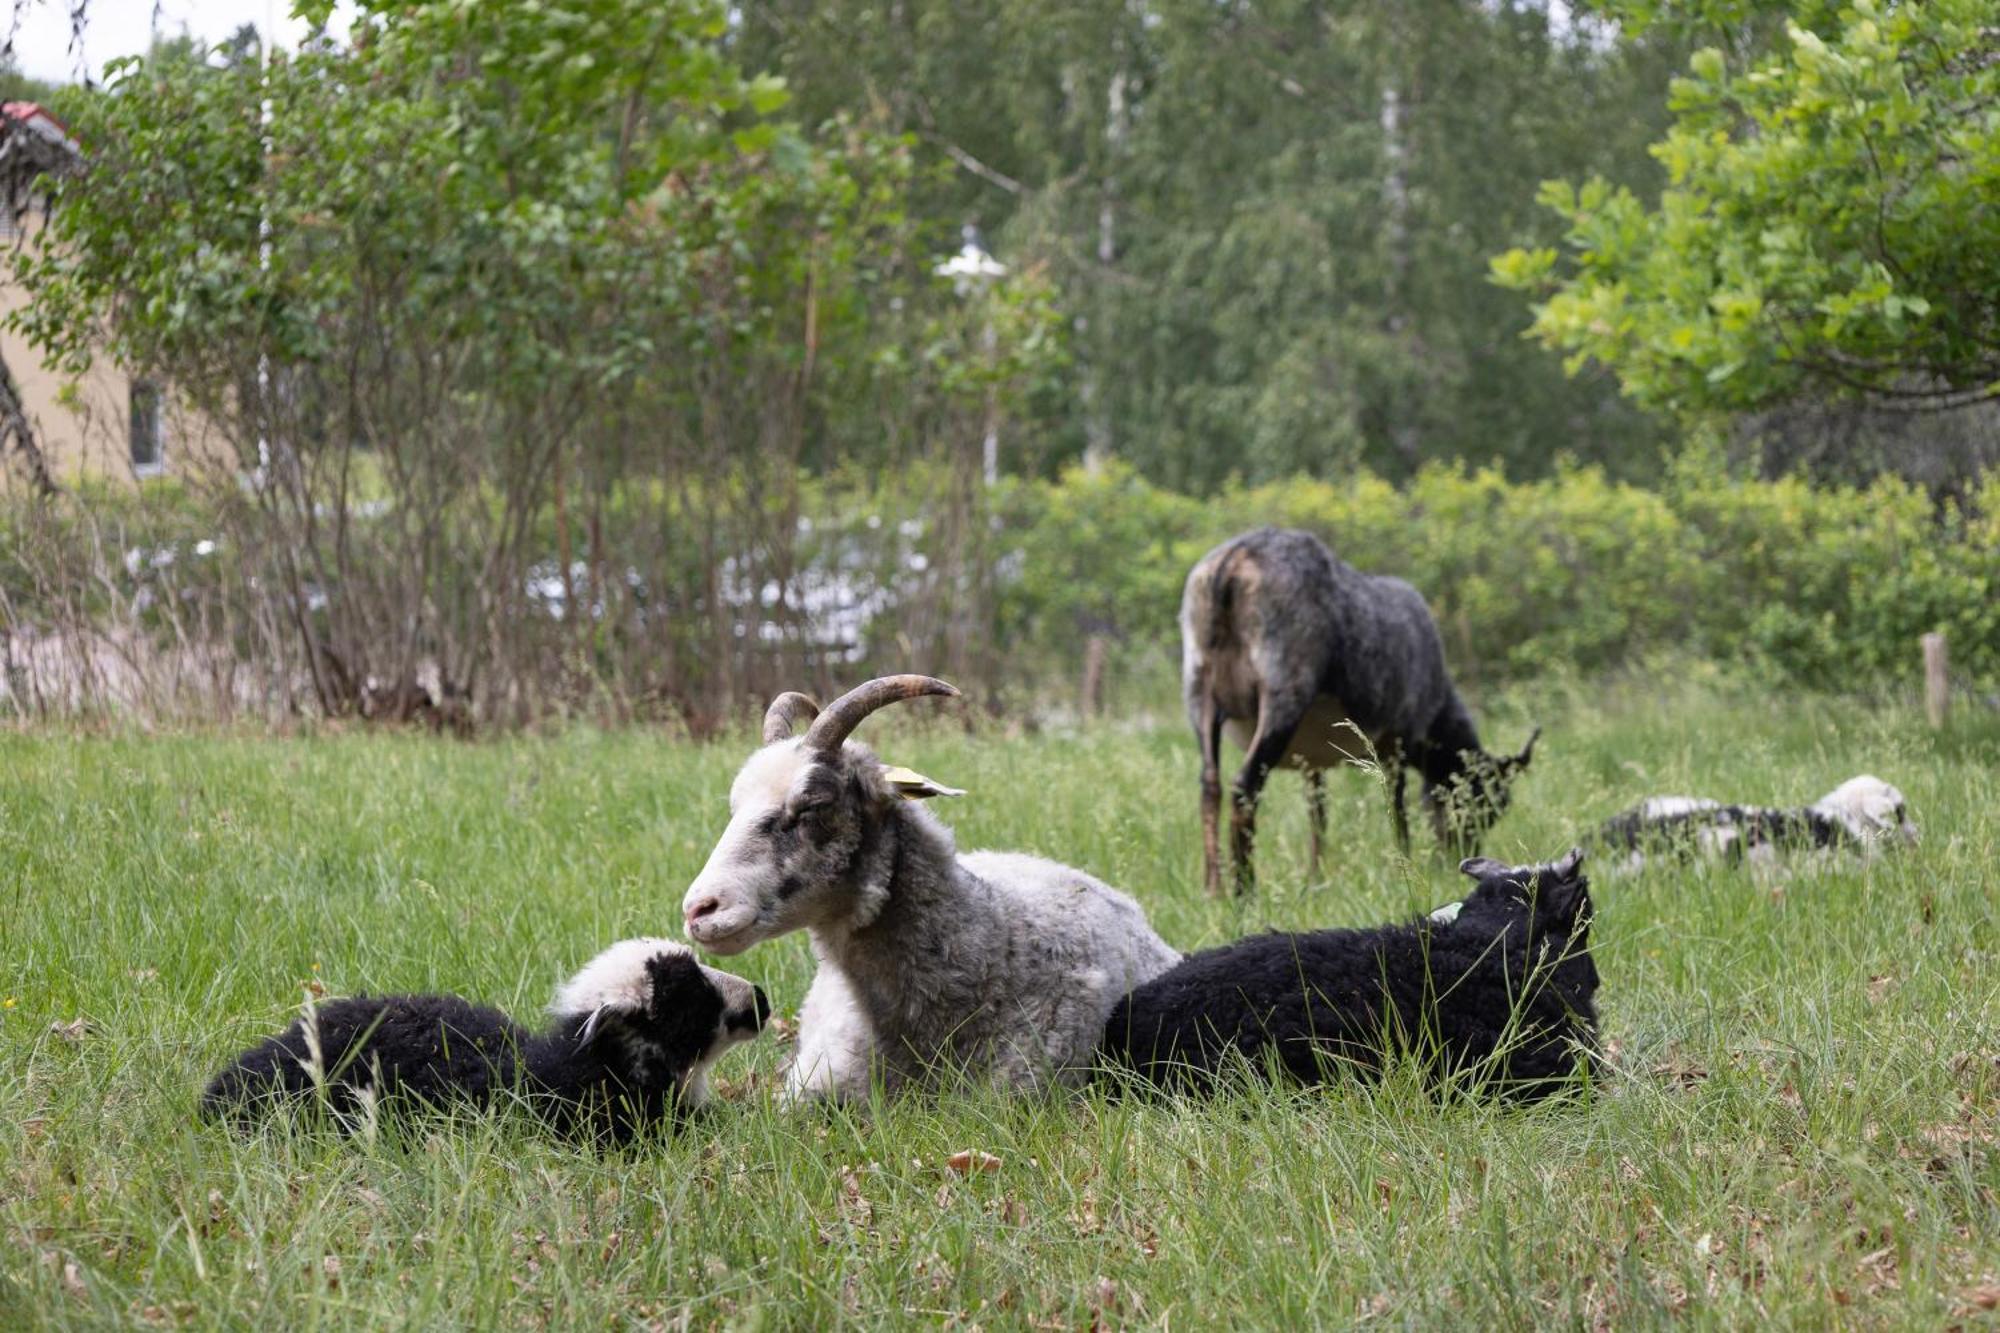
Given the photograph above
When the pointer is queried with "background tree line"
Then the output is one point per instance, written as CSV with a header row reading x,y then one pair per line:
x,y
1270,222
589,356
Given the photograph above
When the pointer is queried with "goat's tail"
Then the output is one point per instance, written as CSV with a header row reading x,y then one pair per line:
x,y
1208,603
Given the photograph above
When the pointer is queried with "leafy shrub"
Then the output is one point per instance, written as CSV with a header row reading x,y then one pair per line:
x,y
1827,586
922,568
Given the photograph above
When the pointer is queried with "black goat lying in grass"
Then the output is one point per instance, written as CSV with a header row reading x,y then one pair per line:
x,y
629,1044
1498,991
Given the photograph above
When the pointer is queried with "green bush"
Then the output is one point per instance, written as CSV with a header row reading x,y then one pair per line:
x,y
922,568
1828,586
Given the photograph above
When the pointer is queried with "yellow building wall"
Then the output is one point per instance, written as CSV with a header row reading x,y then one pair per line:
x,y
84,428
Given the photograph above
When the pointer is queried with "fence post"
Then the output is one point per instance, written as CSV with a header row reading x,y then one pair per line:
x,y
1096,652
1937,679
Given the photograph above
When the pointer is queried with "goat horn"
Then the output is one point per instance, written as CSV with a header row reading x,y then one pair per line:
x,y
785,714
844,714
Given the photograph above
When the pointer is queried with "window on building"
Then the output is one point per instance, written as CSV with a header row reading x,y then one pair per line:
x,y
148,428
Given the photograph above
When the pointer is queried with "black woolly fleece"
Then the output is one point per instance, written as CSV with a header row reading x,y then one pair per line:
x,y
1504,993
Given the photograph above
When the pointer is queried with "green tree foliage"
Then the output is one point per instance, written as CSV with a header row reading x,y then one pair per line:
x,y
1271,223
1828,225
515,159
519,276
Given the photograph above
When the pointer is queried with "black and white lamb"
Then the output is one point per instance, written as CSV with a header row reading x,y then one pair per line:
x,y
629,1043
1860,814
1496,993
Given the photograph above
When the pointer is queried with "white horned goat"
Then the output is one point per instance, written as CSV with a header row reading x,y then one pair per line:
x,y
992,966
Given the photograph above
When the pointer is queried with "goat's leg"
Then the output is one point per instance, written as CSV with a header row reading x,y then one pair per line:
x,y
1399,815
1208,731
1211,832
1437,804
1315,817
1278,718
835,1056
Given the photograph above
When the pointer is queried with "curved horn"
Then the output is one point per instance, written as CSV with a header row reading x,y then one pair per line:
x,y
785,714
844,714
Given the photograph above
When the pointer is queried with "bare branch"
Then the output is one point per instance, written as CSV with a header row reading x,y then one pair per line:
x,y
978,168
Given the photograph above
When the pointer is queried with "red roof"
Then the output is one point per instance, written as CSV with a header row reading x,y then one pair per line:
x,y
35,118
26,111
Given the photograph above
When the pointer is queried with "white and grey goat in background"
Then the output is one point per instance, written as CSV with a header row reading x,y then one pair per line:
x,y
1861,814
1303,660
932,965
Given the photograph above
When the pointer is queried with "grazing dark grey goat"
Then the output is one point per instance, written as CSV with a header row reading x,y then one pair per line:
x,y
629,1043
1292,652
1498,989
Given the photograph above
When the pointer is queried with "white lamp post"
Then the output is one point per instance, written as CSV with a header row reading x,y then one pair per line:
x,y
973,271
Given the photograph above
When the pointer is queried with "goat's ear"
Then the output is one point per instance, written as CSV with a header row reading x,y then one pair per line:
x,y
1514,763
1482,867
591,1027
914,786
631,1003
607,1016
1562,894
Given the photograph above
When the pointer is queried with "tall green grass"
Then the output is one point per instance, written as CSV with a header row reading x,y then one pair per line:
x,y
1799,1124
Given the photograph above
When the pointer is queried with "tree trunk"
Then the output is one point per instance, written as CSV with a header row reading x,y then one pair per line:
x,y
14,426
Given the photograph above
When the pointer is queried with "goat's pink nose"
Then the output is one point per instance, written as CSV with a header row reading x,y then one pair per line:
x,y
702,907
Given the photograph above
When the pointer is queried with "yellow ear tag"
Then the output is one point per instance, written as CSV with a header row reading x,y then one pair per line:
x,y
914,786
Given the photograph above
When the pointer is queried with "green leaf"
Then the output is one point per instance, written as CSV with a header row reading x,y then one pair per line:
x,y
767,93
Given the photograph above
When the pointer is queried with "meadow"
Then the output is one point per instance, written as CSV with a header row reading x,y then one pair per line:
x,y
1797,1124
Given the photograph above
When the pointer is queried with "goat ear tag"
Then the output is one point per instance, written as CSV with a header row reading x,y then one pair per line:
x,y
1447,914
914,786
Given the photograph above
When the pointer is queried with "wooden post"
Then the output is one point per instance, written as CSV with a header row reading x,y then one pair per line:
x,y
1937,679
1095,654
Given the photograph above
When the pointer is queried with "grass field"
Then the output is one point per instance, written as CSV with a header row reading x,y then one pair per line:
x,y
1799,1124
